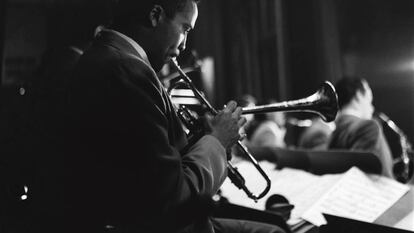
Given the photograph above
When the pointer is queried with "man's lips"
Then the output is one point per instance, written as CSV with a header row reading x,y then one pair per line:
x,y
171,56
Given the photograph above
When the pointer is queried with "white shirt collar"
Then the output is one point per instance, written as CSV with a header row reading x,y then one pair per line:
x,y
133,43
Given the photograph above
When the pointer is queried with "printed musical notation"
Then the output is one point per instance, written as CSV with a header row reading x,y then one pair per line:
x,y
353,194
356,196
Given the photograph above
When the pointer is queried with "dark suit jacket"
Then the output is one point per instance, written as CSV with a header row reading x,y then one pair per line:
x,y
124,166
358,134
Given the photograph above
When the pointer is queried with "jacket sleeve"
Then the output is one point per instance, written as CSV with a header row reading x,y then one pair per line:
x,y
124,162
174,178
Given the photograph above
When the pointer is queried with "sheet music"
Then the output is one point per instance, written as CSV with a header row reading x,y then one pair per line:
x,y
352,194
301,188
357,196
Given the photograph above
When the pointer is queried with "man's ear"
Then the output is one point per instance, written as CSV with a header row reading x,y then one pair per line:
x,y
156,15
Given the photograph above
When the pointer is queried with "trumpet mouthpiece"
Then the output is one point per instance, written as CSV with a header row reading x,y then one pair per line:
x,y
174,61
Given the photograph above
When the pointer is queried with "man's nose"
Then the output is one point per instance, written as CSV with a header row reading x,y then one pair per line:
x,y
182,45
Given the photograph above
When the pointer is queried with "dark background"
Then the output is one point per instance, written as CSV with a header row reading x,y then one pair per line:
x,y
280,49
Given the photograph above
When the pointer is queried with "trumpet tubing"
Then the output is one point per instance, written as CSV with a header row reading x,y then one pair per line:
x,y
324,103
233,174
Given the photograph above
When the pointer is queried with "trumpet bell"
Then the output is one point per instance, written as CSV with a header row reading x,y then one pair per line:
x,y
324,103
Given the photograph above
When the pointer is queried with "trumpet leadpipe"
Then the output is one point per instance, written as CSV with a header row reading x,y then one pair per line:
x,y
324,103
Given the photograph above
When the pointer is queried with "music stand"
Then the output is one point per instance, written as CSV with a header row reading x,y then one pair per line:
x,y
344,225
282,157
339,161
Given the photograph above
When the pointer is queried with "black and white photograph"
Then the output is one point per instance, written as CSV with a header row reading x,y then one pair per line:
x,y
206,116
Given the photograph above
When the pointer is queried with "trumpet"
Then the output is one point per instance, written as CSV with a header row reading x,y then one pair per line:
x,y
324,103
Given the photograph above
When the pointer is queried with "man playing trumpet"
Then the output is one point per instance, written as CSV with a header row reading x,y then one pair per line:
x,y
125,171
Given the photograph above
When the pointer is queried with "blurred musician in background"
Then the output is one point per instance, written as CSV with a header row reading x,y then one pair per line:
x,y
126,169
267,129
355,128
316,136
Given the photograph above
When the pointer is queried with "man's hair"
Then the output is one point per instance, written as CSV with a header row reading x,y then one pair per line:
x,y
132,12
347,88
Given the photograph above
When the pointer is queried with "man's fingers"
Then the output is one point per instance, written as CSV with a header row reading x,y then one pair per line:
x,y
242,136
241,121
231,105
237,113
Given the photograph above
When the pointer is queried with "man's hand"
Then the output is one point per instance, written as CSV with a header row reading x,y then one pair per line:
x,y
226,124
